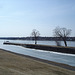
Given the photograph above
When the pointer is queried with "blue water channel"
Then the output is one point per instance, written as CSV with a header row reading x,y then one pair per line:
x,y
47,55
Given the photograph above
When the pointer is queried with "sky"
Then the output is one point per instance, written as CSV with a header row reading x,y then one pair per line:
x,y
19,17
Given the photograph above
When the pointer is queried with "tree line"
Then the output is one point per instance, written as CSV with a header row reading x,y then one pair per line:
x,y
63,33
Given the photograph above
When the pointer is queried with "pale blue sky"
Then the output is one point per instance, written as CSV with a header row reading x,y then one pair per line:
x,y
20,17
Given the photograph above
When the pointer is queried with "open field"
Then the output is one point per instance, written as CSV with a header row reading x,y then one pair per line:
x,y
14,64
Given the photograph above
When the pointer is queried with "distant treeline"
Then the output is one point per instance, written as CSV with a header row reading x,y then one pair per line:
x,y
39,38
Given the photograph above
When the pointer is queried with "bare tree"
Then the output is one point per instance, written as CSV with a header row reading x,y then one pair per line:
x,y
35,33
63,33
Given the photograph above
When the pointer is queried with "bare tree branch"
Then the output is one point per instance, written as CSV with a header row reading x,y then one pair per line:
x,y
35,34
62,32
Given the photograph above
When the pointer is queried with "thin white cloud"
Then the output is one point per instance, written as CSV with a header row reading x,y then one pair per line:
x,y
17,13
3,16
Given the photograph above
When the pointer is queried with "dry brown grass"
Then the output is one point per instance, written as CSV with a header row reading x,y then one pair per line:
x,y
12,64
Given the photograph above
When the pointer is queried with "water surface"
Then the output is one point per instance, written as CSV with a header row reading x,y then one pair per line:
x,y
47,55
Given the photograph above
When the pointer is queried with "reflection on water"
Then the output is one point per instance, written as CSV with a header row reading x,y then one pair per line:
x,y
47,55
69,43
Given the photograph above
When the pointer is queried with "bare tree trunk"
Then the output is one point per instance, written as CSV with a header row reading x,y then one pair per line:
x,y
65,43
35,40
64,39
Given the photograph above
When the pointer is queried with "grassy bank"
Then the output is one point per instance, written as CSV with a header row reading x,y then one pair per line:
x,y
14,64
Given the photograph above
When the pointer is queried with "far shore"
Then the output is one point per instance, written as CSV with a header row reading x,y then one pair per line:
x,y
17,64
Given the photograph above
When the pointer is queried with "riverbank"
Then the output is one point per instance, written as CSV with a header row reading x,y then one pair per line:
x,y
17,64
62,49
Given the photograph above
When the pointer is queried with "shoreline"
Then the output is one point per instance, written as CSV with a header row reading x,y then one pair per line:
x,y
61,49
61,65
